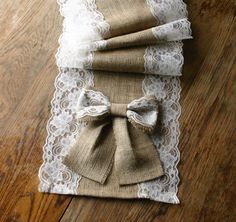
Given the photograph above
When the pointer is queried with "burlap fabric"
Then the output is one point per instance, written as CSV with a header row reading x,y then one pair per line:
x,y
126,16
106,179
118,73
120,60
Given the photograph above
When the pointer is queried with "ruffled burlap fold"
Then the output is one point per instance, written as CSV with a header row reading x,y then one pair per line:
x,y
125,28
172,31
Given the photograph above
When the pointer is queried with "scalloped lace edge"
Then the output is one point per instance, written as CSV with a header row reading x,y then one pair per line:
x,y
145,189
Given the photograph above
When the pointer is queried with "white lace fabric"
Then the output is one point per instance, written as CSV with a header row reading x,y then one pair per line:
x,y
63,128
173,31
164,59
167,90
161,59
82,23
168,10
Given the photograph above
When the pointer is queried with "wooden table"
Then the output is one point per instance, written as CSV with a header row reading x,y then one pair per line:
x,y
29,30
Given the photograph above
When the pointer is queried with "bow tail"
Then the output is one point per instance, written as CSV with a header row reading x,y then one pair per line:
x,y
135,161
92,155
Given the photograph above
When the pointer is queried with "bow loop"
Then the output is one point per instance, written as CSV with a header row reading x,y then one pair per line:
x,y
143,113
92,105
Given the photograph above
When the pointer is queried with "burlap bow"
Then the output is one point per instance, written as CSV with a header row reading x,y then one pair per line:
x,y
92,156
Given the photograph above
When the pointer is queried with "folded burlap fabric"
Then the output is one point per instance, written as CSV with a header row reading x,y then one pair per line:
x,y
118,24
118,139
172,31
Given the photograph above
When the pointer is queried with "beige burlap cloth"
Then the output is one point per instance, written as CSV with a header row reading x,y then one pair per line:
x,y
172,31
113,155
126,16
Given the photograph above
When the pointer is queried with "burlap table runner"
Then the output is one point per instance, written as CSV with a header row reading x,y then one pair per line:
x,y
117,71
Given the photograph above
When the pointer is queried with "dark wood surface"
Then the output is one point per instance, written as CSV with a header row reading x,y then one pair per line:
x,y
29,30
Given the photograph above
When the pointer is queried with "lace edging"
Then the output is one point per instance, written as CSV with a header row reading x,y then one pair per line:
x,y
54,177
85,24
173,31
167,90
164,59
168,10
62,132
92,27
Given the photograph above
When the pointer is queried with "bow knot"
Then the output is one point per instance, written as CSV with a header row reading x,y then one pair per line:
x,y
142,113
134,155
117,109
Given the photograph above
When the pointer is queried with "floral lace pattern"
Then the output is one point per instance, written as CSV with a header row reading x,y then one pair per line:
x,y
92,103
173,31
167,90
167,10
143,112
82,24
161,59
164,59
63,130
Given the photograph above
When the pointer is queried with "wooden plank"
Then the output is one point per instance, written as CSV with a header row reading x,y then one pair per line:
x,y
208,125
28,42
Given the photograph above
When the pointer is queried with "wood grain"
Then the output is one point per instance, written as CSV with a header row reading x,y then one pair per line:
x,y
28,41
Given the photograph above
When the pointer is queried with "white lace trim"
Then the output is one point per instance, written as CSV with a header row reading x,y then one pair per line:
x,y
63,130
161,59
83,24
173,31
142,112
164,59
167,90
94,46
167,10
